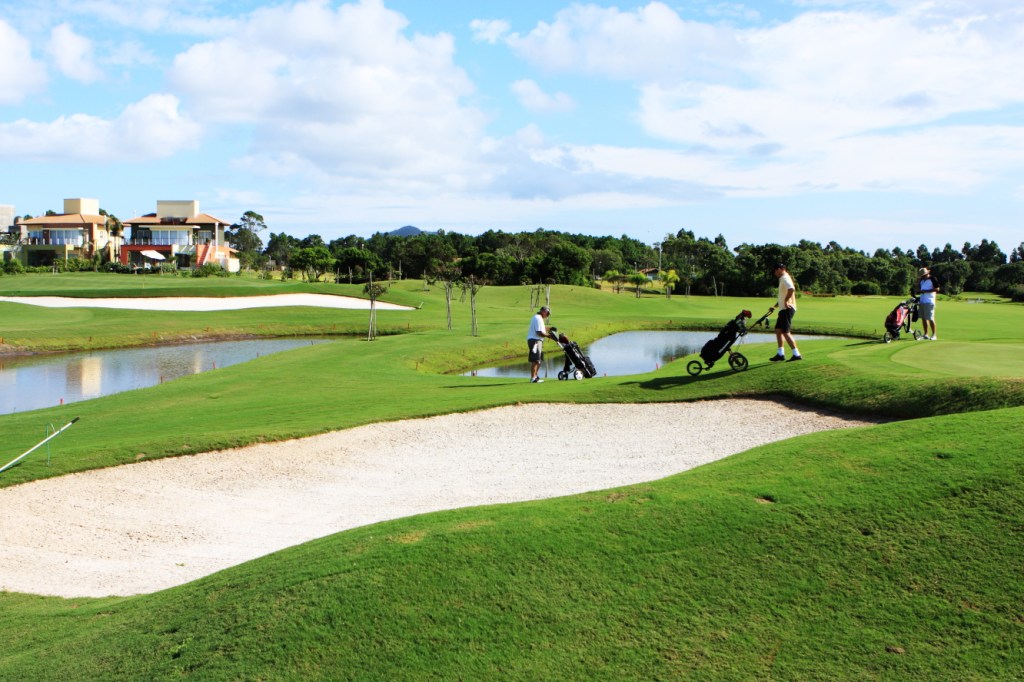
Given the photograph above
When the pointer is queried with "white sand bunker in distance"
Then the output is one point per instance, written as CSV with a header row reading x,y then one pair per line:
x,y
202,304
142,527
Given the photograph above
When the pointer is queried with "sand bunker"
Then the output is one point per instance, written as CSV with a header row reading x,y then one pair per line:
x,y
198,303
143,527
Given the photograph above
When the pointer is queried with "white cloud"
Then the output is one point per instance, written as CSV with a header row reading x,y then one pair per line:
x,y
652,43
340,94
20,74
533,98
489,31
149,129
836,101
72,54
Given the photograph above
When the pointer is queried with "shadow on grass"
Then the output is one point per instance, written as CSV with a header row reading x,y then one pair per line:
x,y
662,383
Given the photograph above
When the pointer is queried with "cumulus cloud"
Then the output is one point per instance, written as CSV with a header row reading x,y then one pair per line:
x,y
339,91
533,98
20,73
489,30
838,100
152,128
72,54
652,43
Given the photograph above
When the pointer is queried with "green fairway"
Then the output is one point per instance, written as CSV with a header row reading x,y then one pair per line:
x,y
965,359
886,552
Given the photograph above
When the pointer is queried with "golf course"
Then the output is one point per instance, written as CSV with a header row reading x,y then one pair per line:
x,y
888,551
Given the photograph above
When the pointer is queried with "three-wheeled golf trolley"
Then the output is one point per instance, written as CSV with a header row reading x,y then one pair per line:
x,y
722,344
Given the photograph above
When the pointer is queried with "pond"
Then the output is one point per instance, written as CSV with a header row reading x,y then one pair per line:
x,y
630,353
35,381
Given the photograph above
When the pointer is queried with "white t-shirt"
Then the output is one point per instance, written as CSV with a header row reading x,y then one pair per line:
x,y
785,284
927,288
536,327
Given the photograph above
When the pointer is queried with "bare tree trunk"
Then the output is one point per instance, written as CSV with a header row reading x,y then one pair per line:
x,y
472,305
714,285
372,333
448,284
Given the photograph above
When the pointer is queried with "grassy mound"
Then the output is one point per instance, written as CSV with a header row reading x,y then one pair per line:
x,y
889,552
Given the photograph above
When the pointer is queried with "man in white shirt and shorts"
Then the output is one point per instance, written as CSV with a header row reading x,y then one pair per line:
x,y
535,342
927,286
787,309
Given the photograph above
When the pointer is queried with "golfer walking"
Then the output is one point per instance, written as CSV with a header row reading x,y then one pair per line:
x,y
535,342
787,309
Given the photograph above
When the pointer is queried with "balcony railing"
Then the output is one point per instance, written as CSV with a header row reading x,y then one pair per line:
x,y
54,241
160,241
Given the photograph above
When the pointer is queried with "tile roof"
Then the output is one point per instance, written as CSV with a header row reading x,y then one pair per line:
x,y
73,219
151,219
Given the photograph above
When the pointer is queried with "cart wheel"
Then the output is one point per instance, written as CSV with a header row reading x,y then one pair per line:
x,y
887,337
917,335
738,362
563,375
577,375
693,368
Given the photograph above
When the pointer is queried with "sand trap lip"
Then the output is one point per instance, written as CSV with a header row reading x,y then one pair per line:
x,y
143,527
202,304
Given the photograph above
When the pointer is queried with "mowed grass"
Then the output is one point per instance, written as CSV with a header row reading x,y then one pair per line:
x,y
889,552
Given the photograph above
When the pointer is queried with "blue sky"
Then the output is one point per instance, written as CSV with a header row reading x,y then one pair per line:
x,y
870,123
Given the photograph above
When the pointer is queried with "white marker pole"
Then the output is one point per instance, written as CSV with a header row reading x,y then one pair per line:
x,y
36,446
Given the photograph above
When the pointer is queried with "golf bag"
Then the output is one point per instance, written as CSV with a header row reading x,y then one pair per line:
x,y
577,365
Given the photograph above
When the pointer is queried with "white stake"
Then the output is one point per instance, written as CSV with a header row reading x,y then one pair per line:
x,y
37,445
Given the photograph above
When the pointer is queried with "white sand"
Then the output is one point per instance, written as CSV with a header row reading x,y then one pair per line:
x,y
143,527
199,303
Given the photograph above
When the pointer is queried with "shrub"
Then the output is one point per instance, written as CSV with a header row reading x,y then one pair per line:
x,y
13,267
209,269
866,289
114,266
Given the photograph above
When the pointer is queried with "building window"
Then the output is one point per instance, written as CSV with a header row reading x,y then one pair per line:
x,y
57,237
142,235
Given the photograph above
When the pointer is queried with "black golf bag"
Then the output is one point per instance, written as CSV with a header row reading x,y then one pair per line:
x,y
577,365
714,349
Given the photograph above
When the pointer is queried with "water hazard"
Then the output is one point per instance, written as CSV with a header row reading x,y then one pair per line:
x,y
628,353
36,381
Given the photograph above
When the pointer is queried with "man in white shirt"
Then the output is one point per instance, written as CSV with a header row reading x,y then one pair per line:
x,y
927,286
535,342
787,309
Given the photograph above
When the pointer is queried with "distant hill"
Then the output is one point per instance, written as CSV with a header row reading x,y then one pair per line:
x,y
407,231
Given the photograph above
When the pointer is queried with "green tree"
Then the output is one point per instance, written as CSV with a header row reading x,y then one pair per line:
x,y
243,236
313,260
952,275
668,278
637,279
355,262
280,248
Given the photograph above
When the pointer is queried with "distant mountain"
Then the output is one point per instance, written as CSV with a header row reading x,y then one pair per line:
x,y
407,231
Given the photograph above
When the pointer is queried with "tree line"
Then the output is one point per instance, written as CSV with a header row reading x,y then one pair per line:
x,y
681,263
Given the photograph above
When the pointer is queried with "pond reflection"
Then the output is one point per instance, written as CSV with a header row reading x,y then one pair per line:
x,y
629,353
35,381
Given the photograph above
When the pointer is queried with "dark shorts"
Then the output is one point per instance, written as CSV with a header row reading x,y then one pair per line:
x,y
784,322
536,352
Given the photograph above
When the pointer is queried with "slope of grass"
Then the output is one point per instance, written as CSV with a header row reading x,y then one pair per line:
x,y
890,552
835,556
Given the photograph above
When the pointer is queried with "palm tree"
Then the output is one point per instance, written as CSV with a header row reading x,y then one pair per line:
x,y
639,279
668,280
